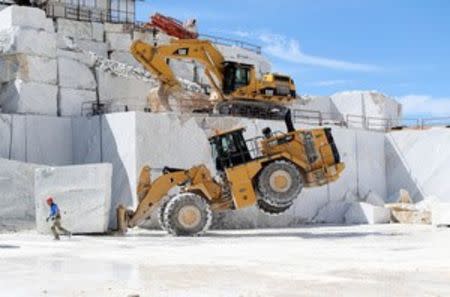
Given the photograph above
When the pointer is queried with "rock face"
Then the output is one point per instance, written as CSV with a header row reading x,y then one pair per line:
x,y
75,75
36,139
27,68
82,193
27,62
29,97
418,161
16,195
19,40
15,16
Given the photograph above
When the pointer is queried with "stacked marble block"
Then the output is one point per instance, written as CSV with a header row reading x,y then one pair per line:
x,y
83,194
76,42
28,71
17,209
353,107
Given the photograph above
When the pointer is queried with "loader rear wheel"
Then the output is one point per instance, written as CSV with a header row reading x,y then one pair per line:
x,y
187,214
162,208
279,184
272,210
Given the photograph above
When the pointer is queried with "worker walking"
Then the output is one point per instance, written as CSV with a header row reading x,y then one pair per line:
x,y
55,216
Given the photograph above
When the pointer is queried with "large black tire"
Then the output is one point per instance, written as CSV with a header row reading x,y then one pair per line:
x,y
187,214
161,209
272,210
279,184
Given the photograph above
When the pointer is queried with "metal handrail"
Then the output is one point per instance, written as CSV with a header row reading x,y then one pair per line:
x,y
230,42
301,116
444,121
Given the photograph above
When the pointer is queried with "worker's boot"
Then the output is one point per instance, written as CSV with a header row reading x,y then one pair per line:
x,y
57,237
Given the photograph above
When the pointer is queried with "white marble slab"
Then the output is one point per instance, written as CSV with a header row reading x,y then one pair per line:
x,y
83,194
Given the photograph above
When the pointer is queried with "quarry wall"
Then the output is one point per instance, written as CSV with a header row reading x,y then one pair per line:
x,y
52,67
130,140
48,70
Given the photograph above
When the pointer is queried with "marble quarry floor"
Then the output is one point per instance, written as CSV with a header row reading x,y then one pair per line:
x,y
377,260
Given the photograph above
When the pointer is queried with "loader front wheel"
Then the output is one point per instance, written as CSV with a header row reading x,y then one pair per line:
x,y
187,214
279,184
161,210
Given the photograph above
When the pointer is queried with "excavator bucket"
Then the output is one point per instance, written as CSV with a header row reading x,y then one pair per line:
x,y
158,99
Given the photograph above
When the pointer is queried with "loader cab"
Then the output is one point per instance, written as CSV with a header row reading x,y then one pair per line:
x,y
236,75
229,149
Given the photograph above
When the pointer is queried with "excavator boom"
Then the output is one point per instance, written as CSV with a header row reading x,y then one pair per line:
x,y
154,59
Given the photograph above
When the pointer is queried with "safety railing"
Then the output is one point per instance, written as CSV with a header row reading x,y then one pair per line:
x,y
232,42
88,13
315,117
299,116
127,17
436,121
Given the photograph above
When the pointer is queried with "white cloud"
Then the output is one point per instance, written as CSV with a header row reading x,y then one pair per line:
x,y
424,105
288,49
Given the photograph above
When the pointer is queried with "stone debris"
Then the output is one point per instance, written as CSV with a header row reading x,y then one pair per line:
x,y
83,194
404,197
406,212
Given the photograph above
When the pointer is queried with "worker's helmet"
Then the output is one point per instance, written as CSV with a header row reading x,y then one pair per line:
x,y
49,200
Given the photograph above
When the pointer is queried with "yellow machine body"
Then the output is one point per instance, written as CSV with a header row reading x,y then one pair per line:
x,y
230,80
312,151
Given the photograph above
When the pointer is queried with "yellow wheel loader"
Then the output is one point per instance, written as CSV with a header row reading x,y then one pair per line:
x,y
238,90
268,171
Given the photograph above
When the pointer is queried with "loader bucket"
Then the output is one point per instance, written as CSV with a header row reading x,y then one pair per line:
x,y
122,219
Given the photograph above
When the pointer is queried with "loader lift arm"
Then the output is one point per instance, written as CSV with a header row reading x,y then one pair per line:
x,y
154,59
151,193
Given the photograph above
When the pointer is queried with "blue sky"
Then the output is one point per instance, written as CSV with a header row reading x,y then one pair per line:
x,y
401,48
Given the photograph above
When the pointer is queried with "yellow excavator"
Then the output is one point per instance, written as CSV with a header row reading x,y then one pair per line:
x,y
269,171
235,85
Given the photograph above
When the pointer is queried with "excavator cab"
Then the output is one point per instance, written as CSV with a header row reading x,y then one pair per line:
x,y
229,149
236,75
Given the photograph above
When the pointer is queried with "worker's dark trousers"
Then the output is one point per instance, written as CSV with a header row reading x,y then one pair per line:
x,y
57,227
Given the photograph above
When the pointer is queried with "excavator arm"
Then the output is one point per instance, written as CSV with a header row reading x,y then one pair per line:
x,y
150,194
154,59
